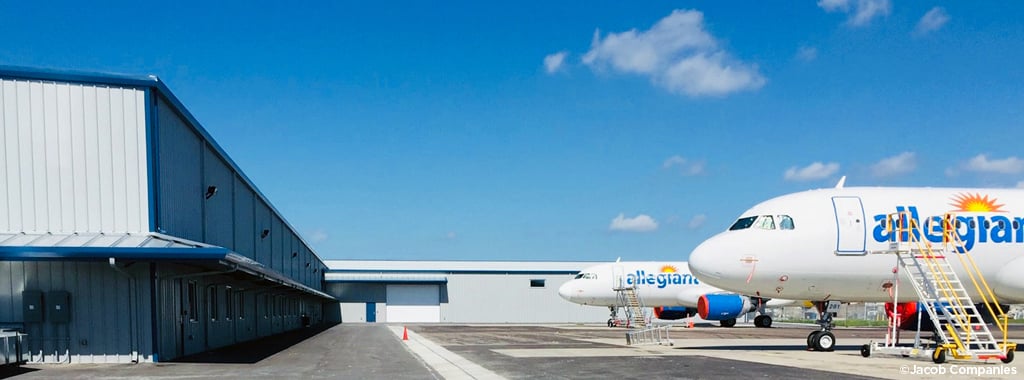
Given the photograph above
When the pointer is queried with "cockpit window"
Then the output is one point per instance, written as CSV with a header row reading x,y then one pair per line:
x,y
785,222
743,223
764,222
586,276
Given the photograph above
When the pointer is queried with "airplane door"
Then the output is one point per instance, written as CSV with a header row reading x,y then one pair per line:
x,y
618,278
851,226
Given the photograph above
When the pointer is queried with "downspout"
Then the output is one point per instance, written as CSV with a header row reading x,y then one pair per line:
x,y
132,322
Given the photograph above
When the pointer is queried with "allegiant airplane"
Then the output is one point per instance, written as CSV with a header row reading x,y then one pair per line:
x,y
822,245
668,287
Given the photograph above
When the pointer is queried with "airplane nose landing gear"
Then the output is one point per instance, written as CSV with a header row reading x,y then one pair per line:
x,y
823,340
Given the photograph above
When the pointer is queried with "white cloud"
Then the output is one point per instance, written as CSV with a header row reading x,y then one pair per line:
x,y
931,21
981,163
318,236
807,53
902,163
686,167
554,62
451,235
697,221
678,54
861,11
639,223
813,171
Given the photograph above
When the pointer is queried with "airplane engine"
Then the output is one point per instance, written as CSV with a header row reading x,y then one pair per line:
x,y
1007,283
908,315
671,313
718,307
906,312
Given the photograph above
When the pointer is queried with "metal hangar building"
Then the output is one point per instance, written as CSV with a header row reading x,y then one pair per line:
x,y
457,291
128,235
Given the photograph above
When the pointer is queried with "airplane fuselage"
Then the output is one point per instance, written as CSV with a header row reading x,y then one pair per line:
x,y
657,284
824,244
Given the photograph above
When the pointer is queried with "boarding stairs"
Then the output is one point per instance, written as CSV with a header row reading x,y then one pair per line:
x,y
640,332
630,303
959,327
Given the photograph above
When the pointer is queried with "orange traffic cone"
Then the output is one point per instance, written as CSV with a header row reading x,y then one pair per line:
x,y
405,333
690,325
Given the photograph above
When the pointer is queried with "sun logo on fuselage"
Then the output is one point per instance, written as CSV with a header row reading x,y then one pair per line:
x,y
966,202
669,269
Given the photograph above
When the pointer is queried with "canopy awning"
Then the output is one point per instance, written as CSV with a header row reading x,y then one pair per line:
x,y
148,246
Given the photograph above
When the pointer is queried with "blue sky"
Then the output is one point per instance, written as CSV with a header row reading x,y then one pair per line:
x,y
577,130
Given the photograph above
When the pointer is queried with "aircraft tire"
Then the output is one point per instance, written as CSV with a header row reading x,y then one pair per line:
x,y
727,322
811,338
865,350
825,341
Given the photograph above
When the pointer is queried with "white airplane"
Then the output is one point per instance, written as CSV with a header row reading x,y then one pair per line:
x,y
667,286
821,245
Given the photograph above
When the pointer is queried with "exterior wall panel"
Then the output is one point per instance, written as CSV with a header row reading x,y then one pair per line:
x,y
74,158
181,194
219,214
263,222
106,324
245,220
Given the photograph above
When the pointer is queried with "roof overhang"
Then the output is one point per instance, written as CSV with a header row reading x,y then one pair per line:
x,y
385,278
147,246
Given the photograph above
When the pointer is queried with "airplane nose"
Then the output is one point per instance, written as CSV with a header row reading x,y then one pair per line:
x,y
704,258
566,291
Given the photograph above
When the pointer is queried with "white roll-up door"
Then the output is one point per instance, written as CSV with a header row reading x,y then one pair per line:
x,y
413,303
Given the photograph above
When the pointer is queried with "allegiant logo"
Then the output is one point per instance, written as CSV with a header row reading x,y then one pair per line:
x,y
661,280
974,229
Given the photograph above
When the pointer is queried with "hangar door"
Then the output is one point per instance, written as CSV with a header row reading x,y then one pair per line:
x,y
413,303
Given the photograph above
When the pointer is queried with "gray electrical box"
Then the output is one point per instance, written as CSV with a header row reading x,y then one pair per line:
x,y
32,306
59,309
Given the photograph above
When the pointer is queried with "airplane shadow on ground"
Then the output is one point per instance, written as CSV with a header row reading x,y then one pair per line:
x,y
255,350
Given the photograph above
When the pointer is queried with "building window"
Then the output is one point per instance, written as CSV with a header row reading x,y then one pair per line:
x,y
537,283
229,299
240,295
193,302
212,302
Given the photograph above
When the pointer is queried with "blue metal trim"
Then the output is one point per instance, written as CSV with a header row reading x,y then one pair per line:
x,y
151,157
102,253
16,72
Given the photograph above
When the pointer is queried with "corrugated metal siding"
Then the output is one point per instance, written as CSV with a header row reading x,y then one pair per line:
x,y
510,299
100,311
219,213
181,194
74,158
245,232
279,243
263,244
